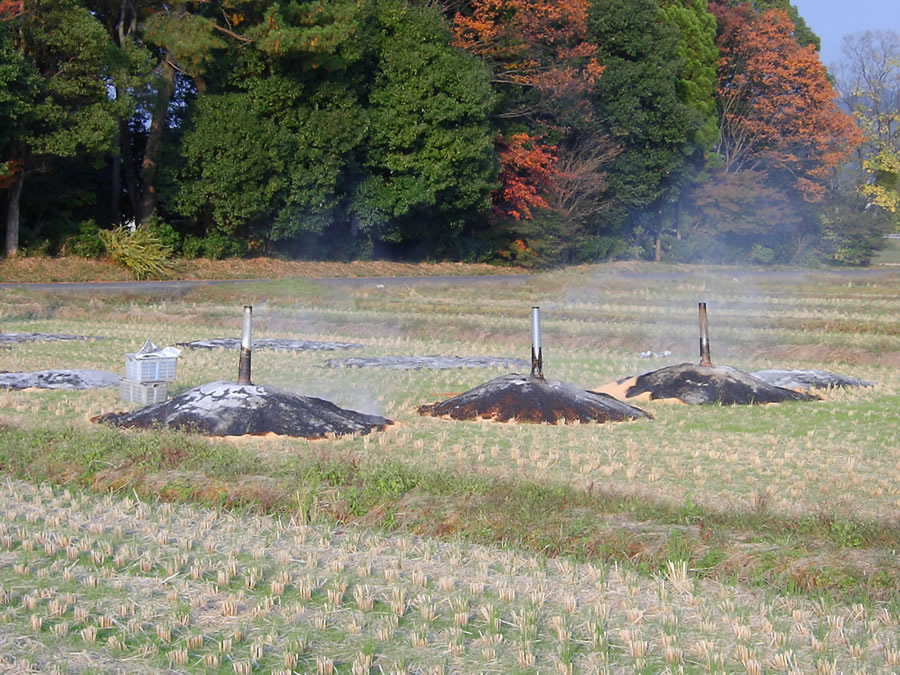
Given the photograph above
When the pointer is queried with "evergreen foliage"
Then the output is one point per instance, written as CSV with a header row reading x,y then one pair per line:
x,y
535,132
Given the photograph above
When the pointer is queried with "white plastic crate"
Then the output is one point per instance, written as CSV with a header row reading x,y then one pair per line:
x,y
143,392
151,369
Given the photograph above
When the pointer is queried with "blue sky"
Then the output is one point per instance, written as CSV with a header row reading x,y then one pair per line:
x,y
832,19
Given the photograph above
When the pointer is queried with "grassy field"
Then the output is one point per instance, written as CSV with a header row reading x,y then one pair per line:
x,y
889,255
713,539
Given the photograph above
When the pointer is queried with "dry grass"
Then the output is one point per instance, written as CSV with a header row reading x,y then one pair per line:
x,y
44,269
103,583
834,461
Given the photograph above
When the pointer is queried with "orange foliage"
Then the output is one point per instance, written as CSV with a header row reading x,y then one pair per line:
x,y
13,167
528,169
537,43
777,108
10,9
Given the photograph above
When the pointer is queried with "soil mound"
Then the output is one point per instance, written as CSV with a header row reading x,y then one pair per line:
x,y
425,362
228,409
528,399
59,379
270,343
803,380
703,385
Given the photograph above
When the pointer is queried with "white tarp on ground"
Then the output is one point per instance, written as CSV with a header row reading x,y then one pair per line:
x,y
59,379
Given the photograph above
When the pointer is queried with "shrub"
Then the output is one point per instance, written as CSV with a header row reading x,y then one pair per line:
x,y
142,251
87,243
167,234
216,245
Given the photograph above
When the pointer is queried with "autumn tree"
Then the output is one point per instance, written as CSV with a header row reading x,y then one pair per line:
x,y
777,109
10,9
781,136
869,81
533,45
543,66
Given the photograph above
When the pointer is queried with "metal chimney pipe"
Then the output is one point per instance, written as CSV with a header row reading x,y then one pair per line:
x,y
704,337
537,357
244,364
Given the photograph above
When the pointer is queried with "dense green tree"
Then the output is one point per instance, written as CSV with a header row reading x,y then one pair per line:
x,y
699,58
637,101
270,135
369,126
429,155
70,113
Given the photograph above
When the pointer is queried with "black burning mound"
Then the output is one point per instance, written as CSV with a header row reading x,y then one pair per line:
x,y
532,399
424,362
228,409
59,379
802,380
703,385
270,343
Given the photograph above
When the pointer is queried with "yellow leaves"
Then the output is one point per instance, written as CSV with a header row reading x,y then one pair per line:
x,y
884,191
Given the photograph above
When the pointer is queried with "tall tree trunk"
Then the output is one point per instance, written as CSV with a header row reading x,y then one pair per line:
x,y
154,140
115,180
131,179
14,197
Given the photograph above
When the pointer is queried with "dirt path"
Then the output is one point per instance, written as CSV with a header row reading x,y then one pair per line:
x,y
177,287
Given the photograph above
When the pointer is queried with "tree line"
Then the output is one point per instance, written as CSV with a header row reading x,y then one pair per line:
x,y
536,132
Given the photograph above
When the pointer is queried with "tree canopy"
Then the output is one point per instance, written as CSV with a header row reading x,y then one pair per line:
x,y
528,131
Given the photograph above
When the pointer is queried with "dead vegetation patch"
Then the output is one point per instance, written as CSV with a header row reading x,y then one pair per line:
x,y
74,269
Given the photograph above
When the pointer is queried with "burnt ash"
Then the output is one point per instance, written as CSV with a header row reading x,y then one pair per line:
x,y
59,379
282,344
433,362
228,409
809,379
710,385
523,398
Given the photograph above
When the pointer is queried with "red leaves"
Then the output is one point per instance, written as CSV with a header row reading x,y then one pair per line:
x,y
536,43
13,167
10,9
776,105
528,169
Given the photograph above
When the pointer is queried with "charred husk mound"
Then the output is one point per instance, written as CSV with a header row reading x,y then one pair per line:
x,y
707,385
528,399
228,409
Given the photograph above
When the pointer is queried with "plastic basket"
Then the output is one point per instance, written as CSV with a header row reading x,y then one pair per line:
x,y
150,369
143,392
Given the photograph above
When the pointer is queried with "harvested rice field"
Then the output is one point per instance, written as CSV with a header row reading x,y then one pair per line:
x,y
704,538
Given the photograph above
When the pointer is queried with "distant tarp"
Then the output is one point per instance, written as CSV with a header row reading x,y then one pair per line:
x,y
809,379
270,343
59,379
228,409
425,362
702,385
527,399
11,338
